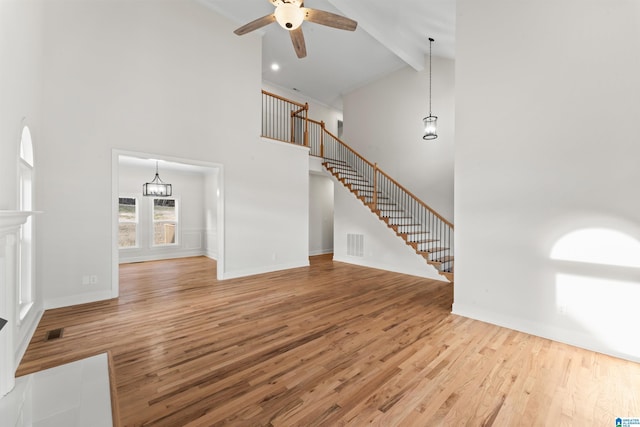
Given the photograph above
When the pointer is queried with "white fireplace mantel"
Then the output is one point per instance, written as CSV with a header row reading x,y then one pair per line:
x,y
10,222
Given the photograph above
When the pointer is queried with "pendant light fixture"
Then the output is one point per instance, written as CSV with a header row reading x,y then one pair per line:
x,y
430,122
157,187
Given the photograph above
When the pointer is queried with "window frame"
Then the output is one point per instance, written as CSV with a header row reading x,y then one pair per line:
x,y
153,222
136,221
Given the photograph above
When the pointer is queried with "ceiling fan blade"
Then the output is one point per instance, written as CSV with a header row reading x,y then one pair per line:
x,y
254,25
329,19
297,38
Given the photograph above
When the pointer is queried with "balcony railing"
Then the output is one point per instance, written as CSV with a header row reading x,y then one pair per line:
x,y
430,234
284,120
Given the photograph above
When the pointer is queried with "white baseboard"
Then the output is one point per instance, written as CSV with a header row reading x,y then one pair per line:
x,y
552,332
34,321
78,299
159,257
433,275
265,269
321,252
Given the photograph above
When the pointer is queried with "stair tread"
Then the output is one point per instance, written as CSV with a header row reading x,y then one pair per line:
x,y
331,159
388,211
433,250
339,166
343,169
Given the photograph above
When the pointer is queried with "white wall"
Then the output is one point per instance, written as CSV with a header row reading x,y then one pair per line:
x,y
382,248
21,70
166,77
547,228
383,122
189,189
320,214
317,110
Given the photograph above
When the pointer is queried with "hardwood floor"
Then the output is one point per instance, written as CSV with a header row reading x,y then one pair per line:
x,y
332,344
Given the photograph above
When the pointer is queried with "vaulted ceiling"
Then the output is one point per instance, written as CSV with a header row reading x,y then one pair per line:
x,y
390,35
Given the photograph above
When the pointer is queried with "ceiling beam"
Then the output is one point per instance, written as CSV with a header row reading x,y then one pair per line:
x,y
390,36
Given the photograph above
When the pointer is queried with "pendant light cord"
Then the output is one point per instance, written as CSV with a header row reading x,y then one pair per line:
x,y
430,44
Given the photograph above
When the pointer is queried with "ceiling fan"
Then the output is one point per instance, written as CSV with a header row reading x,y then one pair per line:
x,y
290,14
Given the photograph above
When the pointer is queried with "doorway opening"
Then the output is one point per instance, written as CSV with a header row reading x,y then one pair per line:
x,y
192,216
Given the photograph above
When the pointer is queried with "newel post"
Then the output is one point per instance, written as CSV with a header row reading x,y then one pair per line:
x,y
322,139
306,124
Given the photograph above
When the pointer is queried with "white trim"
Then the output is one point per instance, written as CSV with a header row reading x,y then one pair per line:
x,y
177,237
426,273
574,338
115,154
261,270
136,222
77,299
285,144
158,257
31,330
321,252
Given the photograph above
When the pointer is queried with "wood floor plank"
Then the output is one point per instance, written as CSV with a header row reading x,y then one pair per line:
x,y
328,345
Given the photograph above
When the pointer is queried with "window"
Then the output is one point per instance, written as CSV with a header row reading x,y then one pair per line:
x,y
165,221
25,244
128,222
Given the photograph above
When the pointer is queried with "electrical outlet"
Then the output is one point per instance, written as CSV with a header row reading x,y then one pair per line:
x,y
93,280
86,280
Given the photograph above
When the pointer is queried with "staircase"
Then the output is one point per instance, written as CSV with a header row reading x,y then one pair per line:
x,y
397,216
422,228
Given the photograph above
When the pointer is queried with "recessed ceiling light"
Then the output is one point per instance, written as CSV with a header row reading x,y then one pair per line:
x,y
275,67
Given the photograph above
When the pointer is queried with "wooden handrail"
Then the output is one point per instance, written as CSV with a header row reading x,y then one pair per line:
x,y
416,198
375,166
264,92
304,108
376,169
350,149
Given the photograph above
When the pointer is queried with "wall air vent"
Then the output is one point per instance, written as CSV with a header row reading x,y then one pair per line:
x,y
355,245
54,334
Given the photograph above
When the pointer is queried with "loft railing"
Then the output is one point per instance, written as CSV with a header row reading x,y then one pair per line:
x,y
421,226
284,120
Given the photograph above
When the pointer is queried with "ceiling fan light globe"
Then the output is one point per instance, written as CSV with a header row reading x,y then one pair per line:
x,y
289,16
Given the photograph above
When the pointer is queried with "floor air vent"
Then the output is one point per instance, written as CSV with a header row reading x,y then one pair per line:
x,y
54,334
355,245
